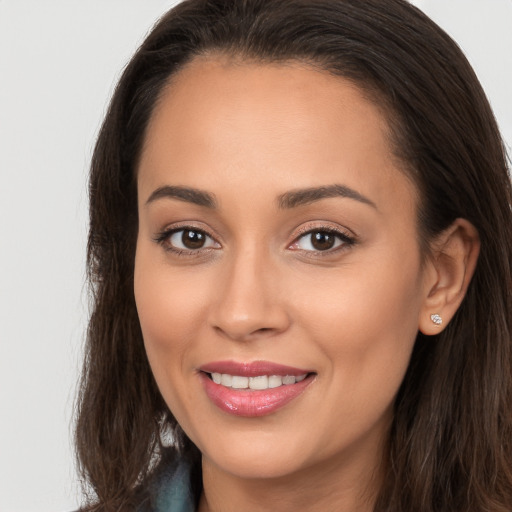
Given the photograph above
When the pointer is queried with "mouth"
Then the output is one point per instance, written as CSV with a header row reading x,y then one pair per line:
x,y
257,383
253,389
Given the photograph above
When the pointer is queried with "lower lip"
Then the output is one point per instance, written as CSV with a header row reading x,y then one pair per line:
x,y
249,403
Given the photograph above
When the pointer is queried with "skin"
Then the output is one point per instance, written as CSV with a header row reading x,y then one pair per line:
x,y
258,290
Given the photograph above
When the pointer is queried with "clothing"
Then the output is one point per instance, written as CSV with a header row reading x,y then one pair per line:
x,y
170,490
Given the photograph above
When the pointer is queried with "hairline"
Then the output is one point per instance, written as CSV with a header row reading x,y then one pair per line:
x,y
369,91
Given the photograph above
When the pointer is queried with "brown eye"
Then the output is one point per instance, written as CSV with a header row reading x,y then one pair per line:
x,y
193,239
188,239
322,240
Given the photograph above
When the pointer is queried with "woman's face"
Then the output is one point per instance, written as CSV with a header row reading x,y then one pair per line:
x,y
277,238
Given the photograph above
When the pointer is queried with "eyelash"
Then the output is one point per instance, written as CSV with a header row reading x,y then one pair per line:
x,y
344,241
164,237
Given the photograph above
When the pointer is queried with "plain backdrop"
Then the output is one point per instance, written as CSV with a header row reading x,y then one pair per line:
x,y
59,60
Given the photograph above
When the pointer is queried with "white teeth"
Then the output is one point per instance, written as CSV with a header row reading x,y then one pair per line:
x,y
240,382
274,381
259,382
226,380
289,379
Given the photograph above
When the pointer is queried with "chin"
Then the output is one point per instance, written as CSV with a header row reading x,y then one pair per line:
x,y
256,456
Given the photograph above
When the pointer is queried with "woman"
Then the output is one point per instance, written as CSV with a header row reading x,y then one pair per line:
x,y
300,251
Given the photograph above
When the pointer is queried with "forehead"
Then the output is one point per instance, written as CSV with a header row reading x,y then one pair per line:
x,y
256,124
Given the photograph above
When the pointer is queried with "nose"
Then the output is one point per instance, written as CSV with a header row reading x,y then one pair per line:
x,y
250,302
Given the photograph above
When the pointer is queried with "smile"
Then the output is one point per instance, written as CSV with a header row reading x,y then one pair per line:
x,y
253,389
259,382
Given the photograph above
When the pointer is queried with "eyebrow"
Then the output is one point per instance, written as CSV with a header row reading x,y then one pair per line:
x,y
287,200
187,194
306,196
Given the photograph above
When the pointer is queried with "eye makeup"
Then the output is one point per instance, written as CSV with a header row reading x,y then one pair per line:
x,y
313,240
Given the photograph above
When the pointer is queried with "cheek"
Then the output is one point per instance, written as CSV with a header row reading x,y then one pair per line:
x,y
366,327
168,310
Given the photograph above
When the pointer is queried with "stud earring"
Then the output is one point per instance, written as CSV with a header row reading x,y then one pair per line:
x,y
436,319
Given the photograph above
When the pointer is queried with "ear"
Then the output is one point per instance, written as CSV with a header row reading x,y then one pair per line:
x,y
449,269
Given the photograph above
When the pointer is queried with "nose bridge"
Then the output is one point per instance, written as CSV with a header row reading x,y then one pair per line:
x,y
249,300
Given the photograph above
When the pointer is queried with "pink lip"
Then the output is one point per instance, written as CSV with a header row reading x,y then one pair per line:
x,y
252,403
252,369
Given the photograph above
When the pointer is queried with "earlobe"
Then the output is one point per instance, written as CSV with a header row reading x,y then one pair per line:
x,y
450,267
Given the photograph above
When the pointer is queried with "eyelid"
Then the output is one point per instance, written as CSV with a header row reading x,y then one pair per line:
x,y
162,238
324,226
347,237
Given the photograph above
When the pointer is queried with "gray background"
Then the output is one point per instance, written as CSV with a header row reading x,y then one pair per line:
x,y
59,61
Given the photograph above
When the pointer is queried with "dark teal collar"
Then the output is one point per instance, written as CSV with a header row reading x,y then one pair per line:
x,y
170,491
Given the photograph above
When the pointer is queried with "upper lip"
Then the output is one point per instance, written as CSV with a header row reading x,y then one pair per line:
x,y
252,369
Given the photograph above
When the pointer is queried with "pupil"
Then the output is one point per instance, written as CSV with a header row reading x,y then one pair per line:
x,y
193,239
322,241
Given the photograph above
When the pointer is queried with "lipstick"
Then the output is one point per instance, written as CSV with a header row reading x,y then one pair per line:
x,y
253,389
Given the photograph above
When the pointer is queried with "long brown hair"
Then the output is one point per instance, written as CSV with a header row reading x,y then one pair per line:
x,y
451,441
